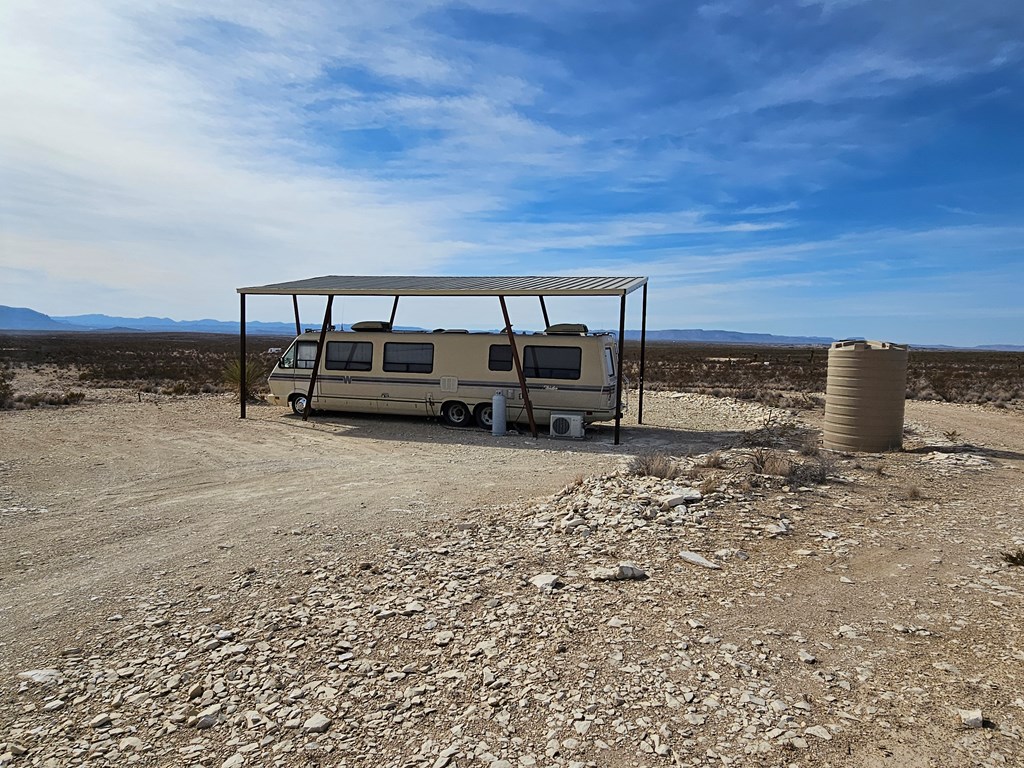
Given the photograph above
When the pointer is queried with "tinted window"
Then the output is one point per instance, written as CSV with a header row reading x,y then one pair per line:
x,y
499,358
552,362
305,354
409,358
349,355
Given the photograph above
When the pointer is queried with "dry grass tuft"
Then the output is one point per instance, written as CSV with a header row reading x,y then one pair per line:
x,y
654,465
765,461
713,461
772,431
810,447
38,399
573,485
817,470
708,485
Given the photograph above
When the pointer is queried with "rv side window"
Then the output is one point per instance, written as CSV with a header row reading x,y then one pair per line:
x,y
609,363
552,362
301,354
499,358
349,355
408,358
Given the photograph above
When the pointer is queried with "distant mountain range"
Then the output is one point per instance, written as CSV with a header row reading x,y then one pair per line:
x,y
727,337
164,324
23,319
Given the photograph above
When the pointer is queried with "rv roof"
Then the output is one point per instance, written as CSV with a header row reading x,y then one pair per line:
x,y
369,285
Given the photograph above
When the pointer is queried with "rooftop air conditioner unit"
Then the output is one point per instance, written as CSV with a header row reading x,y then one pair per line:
x,y
567,426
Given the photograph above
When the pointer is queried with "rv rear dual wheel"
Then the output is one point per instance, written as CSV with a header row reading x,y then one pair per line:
x,y
456,414
484,415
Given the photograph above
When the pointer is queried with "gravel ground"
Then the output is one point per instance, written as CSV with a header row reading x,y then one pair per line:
x,y
180,587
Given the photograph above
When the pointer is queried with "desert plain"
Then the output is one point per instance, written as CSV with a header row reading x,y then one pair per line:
x,y
182,587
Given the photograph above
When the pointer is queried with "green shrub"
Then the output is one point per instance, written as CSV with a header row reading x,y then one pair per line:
x,y
6,388
256,371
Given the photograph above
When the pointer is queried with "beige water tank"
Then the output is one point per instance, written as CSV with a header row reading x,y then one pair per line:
x,y
865,394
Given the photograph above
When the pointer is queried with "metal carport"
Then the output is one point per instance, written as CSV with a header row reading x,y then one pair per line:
x,y
501,287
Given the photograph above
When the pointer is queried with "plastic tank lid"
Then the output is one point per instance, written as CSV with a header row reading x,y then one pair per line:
x,y
858,344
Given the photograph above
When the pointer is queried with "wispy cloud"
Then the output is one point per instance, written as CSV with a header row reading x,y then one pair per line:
x,y
957,209
165,154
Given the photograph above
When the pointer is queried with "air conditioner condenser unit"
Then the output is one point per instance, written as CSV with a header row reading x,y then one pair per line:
x,y
568,426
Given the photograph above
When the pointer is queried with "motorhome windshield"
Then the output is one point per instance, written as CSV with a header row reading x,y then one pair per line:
x,y
301,354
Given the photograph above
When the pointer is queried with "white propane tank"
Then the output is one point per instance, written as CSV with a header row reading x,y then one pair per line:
x,y
498,414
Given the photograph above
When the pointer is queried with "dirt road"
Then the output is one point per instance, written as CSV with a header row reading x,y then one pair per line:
x,y
122,492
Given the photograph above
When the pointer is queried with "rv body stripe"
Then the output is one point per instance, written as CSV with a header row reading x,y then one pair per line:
x,y
432,405
437,383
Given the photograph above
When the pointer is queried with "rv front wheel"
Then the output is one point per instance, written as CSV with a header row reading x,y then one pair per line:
x,y
299,405
455,414
484,416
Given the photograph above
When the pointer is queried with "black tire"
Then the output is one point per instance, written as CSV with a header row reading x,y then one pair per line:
x,y
484,416
456,414
299,405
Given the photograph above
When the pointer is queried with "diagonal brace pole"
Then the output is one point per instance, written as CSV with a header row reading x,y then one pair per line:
x,y
316,361
519,368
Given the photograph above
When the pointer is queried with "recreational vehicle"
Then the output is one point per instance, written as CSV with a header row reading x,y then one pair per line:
x,y
451,374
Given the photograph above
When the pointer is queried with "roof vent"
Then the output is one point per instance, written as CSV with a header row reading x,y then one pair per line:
x,y
567,329
372,325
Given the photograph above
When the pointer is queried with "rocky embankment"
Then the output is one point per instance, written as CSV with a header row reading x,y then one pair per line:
x,y
721,618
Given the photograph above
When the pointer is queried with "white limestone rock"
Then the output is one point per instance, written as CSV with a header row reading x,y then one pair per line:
x,y
694,559
318,723
547,581
621,572
971,718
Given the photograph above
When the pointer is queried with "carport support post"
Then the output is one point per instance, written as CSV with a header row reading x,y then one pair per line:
x,y
316,361
519,368
394,311
643,351
242,394
544,310
618,388
295,306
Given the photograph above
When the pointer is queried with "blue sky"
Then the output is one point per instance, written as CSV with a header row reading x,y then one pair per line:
x,y
833,168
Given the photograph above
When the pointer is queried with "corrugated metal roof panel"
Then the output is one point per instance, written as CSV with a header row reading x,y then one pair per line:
x,y
387,285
